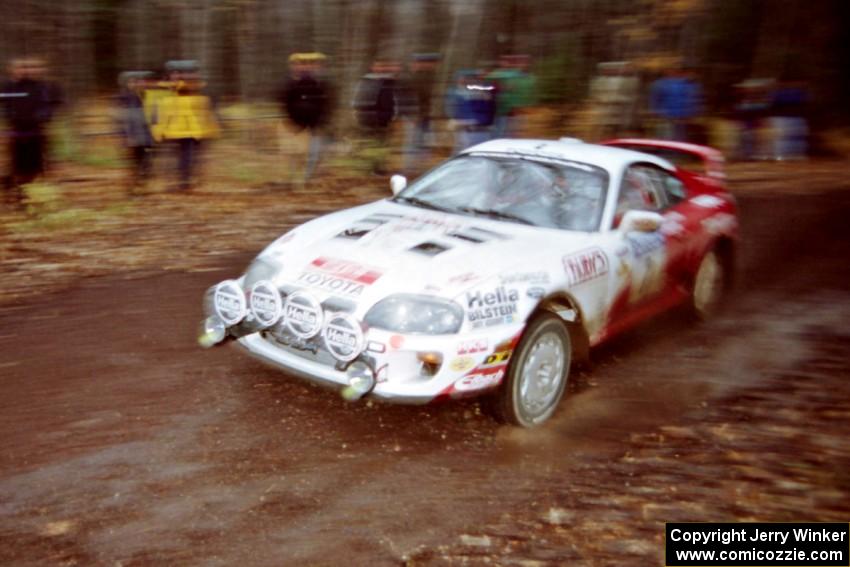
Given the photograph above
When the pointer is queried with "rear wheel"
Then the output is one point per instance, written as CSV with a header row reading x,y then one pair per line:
x,y
709,284
537,373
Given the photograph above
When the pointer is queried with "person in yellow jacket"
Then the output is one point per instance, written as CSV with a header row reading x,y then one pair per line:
x,y
186,118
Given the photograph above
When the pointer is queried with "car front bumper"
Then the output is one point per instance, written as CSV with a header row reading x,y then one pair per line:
x,y
470,363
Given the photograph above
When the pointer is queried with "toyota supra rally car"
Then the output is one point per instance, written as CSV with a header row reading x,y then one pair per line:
x,y
492,273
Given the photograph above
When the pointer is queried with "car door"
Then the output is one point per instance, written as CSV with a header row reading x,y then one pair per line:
x,y
642,257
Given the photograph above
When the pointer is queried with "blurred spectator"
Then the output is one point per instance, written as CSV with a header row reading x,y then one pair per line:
x,y
516,91
789,126
185,118
415,106
306,98
376,107
134,125
751,109
29,102
675,100
471,104
613,98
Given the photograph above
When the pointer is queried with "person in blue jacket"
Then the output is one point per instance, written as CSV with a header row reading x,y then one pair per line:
x,y
675,100
471,103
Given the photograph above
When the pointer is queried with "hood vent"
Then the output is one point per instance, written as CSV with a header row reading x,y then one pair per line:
x,y
476,235
430,248
361,228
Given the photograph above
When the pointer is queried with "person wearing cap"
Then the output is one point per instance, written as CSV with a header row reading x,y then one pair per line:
x,y
185,118
306,99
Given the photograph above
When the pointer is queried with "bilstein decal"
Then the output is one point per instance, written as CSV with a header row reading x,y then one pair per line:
x,y
485,309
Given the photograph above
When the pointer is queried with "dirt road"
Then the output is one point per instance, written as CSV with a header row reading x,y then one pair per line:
x,y
122,443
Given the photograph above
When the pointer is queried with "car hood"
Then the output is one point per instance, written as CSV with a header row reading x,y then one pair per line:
x,y
370,252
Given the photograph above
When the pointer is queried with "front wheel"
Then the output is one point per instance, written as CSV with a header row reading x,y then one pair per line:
x,y
537,373
709,284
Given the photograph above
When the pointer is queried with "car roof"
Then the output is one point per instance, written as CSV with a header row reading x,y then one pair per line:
x,y
607,157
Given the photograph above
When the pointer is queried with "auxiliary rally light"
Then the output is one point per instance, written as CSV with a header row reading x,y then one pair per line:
x,y
213,331
361,380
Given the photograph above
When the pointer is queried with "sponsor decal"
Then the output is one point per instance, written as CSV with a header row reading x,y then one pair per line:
x,y
461,364
525,277
302,315
721,223
492,308
497,359
672,224
479,381
585,265
339,277
229,302
463,278
265,303
472,346
425,224
350,271
338,286
375,346
707,201
535,292
644,243
343,336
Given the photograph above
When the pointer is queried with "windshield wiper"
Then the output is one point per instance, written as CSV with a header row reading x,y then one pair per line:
x,y
495,214
419,203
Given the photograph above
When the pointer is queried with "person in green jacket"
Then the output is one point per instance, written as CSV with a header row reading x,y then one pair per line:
x,y
517,91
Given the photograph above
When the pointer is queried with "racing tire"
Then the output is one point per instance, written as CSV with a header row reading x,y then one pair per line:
x,y
537,373
710,282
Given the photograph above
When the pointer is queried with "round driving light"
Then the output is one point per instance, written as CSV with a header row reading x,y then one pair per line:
x,y
302,315
361,380
228,302
343,336
265,303
213,331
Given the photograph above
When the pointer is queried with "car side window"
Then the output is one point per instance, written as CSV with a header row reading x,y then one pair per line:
x,y
639,191
674,189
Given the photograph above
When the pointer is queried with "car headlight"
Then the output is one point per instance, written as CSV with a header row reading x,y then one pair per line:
x,y
416,314
262,268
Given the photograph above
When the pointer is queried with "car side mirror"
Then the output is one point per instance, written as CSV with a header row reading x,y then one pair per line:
x,y
640,221
398,183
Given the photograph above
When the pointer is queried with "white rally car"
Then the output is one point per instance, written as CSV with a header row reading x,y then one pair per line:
x,y
492,273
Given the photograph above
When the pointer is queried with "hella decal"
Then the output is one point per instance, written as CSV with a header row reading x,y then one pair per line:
x,y
492,308
302,315
265,303
229,302
343,336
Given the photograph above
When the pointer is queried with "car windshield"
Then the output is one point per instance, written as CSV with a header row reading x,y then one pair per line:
x,y
563,195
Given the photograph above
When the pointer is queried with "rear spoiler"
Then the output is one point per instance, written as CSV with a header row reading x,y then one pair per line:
x,y
701,161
